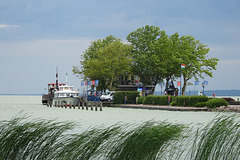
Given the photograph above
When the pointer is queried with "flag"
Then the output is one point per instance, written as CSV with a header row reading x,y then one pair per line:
x,y
206,82
179,83
82,83
183,66
88,83
196,82
96,82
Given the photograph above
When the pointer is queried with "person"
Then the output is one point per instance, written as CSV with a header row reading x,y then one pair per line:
x,y
169,100
125,100
214,94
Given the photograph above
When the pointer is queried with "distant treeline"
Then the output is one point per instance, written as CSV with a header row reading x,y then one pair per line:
x,y
210,92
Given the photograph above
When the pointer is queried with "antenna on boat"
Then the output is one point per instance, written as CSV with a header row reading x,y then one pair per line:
x,y
57,78
66,78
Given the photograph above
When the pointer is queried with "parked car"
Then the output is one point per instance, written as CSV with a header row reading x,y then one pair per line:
x,y
108,96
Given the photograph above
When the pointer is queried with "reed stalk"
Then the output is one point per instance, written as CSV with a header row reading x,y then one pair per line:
x,y
48,139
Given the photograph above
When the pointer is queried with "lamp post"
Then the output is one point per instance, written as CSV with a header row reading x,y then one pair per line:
x,y
203,85
162,84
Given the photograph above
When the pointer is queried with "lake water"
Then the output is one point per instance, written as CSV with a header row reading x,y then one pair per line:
x,y
10,106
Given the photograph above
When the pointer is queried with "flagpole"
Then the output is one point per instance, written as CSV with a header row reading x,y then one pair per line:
x,y
180,79
194,86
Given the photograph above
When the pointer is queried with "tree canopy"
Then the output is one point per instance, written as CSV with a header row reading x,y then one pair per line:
x,y
151,54
105,60
194,56
149,49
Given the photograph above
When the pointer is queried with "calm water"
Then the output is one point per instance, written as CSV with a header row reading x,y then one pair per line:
x,y
31,105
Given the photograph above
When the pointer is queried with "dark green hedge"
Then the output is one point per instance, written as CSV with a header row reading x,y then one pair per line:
x,y
189,100
141,100
118,97
158,100
201,104
216,102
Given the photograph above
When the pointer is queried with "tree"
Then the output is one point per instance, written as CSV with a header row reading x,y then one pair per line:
x,y
193,54
105,60
172,58
149,45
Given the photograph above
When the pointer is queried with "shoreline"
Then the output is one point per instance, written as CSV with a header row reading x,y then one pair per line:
x,y
230,108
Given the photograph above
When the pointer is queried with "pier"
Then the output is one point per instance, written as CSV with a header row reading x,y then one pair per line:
x,y
82,104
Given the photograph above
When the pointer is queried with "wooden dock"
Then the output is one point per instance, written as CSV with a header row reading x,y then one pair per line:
x,y
83,104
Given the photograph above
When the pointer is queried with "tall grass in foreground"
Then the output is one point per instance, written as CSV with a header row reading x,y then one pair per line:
x,y
43,139
219,139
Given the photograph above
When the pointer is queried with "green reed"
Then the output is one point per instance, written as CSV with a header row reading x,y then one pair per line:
x,y
220,139
44,139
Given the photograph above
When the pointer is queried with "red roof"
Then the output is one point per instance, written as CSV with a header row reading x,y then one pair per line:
x,y
55,84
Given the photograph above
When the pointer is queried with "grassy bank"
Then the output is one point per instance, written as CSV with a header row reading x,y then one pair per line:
x,y
43,139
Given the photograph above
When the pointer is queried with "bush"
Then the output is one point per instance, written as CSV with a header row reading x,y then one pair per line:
x,y
190,100
141,100
118,97
173,103
158,100
216,102
201,104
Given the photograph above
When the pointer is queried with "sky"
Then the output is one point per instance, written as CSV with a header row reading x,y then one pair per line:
x,y
38,35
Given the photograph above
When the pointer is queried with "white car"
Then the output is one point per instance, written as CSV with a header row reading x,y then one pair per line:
x,y
108,96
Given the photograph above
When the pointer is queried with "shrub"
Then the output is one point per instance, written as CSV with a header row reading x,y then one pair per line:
x,y
158,100
201,104
120,95
190,100
173,103
141,100
216,102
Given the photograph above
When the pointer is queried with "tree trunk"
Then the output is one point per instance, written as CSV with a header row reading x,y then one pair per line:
x,y
143,90
184,85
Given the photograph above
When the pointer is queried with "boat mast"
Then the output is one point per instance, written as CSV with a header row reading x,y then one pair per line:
x,y
57,78
66,78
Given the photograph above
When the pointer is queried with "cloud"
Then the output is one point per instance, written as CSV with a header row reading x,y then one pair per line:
x,y
44,47
225,51
8,26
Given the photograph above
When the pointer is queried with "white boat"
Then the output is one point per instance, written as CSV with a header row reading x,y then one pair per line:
x,y
66,95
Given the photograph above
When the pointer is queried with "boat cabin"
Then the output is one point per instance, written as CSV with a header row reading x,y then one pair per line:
x,y
66,91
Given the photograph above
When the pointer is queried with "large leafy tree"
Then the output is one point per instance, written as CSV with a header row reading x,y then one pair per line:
x,y
171,58
149,48
105,60
194,55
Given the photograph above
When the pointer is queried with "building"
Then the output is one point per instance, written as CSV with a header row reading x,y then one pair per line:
x,y
133,83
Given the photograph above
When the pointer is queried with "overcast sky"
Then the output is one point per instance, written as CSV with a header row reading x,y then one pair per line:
x,y
38,35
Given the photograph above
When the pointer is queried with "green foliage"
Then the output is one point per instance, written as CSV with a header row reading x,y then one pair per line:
x,y
158,100
50,140
194,55
141,100
120,95
38,139
217,140
152,55
147,141
105,60
216,102
189,100
149,45
201,104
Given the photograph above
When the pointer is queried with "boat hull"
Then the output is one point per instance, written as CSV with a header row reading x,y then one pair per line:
x,y
66,101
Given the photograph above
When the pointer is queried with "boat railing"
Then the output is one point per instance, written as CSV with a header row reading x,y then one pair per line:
x,y
47,96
